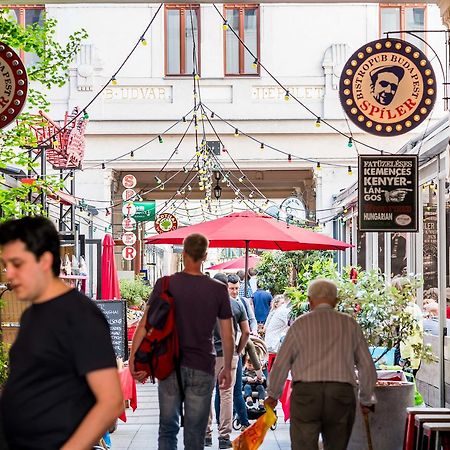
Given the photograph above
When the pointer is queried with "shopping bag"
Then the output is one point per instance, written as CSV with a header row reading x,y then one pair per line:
x,y
253,436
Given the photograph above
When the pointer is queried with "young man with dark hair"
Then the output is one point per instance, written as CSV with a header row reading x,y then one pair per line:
x,y
63,391
199,302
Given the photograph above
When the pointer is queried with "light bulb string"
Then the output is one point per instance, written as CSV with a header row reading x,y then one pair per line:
x,y
291,95
283,152
83,109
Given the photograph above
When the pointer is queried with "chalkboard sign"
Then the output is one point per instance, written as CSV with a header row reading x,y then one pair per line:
x,y
115,312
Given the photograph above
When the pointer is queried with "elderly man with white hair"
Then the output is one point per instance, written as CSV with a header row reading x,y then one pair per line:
x,y
322,349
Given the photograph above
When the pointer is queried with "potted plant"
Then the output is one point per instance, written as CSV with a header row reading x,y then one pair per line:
x,y
135,291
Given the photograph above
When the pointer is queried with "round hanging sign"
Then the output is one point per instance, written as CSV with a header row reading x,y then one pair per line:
x,y
166,222
128,209
388,87
128,194
129,181
128,253
129,224
128,238
13,85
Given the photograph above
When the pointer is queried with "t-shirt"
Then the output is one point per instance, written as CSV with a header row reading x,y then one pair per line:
x,y
199,302
261,301
239,315
47,396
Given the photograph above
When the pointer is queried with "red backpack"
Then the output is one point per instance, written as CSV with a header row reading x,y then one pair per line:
x,y
158,353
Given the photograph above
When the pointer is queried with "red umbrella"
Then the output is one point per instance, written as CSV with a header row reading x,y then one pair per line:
x,y
249,229
110,281
237,263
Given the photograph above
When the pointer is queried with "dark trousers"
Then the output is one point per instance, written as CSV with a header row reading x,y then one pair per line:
x,y
322,407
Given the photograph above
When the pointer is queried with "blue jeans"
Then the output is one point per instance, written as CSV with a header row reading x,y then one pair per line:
x,y
238,398
259,388
198,387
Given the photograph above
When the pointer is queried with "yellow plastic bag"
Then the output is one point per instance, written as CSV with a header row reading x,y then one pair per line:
x,y
253,436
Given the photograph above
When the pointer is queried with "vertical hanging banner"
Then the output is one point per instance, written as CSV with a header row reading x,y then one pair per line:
x,y
388,193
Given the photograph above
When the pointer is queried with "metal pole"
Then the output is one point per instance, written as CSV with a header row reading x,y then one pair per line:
x,y
246,268
442,255
91,256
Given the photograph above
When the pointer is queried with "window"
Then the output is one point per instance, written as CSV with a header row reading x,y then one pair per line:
x,y
404,17
182,30
244,19
27,15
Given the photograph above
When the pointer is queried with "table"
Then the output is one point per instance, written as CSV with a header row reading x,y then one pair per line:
x,y
128,385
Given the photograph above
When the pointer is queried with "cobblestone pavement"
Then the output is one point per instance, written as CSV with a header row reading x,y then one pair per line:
x,y
140,432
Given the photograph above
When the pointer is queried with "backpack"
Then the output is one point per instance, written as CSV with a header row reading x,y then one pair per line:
x,y
158,354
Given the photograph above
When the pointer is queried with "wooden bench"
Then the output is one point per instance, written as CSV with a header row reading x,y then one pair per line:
x,y
432,434
409,441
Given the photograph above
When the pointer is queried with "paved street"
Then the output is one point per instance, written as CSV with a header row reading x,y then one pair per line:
x,y
140,432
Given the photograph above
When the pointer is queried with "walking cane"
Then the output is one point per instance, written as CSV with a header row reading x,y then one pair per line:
x,y
369,436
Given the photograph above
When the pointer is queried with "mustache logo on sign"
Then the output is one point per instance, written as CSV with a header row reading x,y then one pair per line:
x,y
388,87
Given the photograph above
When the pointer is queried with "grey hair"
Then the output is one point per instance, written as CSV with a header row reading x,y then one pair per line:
x,y
322,289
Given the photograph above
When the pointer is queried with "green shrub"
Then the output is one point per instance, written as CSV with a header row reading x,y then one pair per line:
x,y
135,292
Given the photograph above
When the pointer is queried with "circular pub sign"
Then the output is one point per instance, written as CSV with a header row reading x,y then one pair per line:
x,y
388,87
13,85
166,222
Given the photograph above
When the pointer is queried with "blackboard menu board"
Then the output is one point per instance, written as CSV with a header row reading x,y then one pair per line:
x,y
115,312
388,193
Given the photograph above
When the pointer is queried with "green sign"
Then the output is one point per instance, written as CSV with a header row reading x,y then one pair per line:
x,y
144,211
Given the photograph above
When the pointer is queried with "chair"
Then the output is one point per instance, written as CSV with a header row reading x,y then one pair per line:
x,y
420,419
409,441
432,433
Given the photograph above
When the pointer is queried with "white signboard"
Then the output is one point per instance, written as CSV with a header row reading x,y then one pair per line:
x,y
129,238
128,253
129,209
128,194
129,181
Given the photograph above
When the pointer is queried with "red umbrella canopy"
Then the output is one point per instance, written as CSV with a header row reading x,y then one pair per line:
x,y
237,263
110,281
249,229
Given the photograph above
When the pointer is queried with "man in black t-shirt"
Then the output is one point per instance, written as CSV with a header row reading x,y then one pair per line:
x,y
63,391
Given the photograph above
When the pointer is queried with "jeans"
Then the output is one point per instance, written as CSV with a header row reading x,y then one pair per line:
x,y
198,387
238,398
259,388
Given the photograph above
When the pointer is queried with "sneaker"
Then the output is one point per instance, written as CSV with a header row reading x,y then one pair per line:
x,y
225,443
249,401
208,441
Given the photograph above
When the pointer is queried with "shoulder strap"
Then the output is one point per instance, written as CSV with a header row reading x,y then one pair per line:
x,y
165,283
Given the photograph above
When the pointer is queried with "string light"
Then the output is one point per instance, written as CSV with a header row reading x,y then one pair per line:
x,y
160,139
236,132
349,170
224,150
262,146
317,124
255,63
289,158
113,81
183,119
318,168
132,154
158,180
103,165
162,186
196,76
143,41
350,142
225,26
212,114
85,115
286,96
251,194
242,178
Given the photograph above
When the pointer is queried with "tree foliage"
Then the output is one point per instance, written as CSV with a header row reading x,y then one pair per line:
x,y
48,71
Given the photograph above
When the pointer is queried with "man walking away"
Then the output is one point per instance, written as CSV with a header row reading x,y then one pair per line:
x,y
261,301
240,323
322,349
199,302
63,391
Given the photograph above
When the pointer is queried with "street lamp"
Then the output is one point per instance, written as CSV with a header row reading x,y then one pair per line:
x,y
217,191
217,175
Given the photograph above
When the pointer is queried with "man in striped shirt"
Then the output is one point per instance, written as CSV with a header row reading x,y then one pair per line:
x,y
322,349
